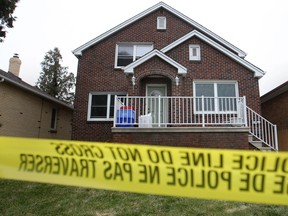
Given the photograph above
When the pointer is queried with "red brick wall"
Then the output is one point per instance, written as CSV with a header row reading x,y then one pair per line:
x,y
236,140
276,111
96,70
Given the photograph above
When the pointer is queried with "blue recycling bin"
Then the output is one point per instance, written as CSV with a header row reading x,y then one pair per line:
x,y
125,117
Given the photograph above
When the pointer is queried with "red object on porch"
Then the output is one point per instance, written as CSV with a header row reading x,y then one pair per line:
x,y
127,108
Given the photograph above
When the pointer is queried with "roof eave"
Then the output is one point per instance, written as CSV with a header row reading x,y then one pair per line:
x,y
257,72
48,97
78,51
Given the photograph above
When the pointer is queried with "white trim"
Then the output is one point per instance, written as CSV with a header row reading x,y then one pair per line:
x,y
78,51
130,68
257,71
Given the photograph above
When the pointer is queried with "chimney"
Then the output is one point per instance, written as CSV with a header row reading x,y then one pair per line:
x,y
14,65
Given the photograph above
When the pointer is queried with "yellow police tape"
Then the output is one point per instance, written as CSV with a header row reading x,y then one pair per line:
x,y
234,175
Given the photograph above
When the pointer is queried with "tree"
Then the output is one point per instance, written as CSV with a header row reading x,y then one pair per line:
x,y
55,79
7,8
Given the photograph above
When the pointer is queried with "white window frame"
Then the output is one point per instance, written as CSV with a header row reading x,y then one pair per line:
x,y
198,52
134,51
161,23
215,83
108,105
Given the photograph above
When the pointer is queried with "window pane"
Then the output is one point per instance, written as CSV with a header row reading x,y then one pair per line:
x,y
142,50
99,100
99,106
227,91
53,119
125,50
206,90
194,51
98,112
125,55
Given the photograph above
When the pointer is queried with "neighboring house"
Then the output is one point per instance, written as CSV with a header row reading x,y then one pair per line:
x,y
25,111
274,106
161,78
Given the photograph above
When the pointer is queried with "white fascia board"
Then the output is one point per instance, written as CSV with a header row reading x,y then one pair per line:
x,y
78,51
257,72
130,68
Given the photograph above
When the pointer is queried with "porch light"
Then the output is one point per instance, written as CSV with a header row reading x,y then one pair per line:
x,y
177,80
133,79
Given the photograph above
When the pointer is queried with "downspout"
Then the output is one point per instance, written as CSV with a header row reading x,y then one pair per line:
x,y
2,79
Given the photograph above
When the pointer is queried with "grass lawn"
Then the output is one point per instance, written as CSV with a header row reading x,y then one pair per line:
x,y
26,198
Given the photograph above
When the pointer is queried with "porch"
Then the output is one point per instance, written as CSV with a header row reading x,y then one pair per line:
x,y
154,114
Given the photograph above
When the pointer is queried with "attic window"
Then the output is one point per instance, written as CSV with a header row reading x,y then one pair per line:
x,y
161,23
194,53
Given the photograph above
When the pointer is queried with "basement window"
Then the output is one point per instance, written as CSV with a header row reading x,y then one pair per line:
x,y
161,23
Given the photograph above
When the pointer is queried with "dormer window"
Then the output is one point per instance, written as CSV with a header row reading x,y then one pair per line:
x,y
194,53
161,23
126,53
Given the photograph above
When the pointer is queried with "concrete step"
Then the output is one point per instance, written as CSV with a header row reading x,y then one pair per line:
x,y
257,144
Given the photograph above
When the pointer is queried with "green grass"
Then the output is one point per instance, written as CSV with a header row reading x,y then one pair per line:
x,y
26,198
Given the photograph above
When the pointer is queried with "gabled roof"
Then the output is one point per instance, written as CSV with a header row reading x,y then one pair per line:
x,y
257,71
130,68
78,51
15,80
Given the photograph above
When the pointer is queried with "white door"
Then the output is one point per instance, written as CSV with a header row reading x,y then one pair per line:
x,y
157,106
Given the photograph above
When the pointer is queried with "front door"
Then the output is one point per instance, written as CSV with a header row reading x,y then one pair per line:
x,y
157,106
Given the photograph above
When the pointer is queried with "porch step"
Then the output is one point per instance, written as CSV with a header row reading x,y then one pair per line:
x,y
258,144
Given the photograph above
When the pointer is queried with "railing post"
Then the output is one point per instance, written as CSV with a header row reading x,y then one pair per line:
x,y
115,110
159,110
276,137
245,111
203,115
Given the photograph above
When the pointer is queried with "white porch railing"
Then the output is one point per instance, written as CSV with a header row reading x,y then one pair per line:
x,y
262,129
159,111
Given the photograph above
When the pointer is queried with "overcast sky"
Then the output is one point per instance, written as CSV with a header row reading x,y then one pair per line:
x,y
258,27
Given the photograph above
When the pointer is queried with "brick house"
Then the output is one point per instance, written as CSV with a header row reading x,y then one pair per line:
x,y
161,78
274,106
25,111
